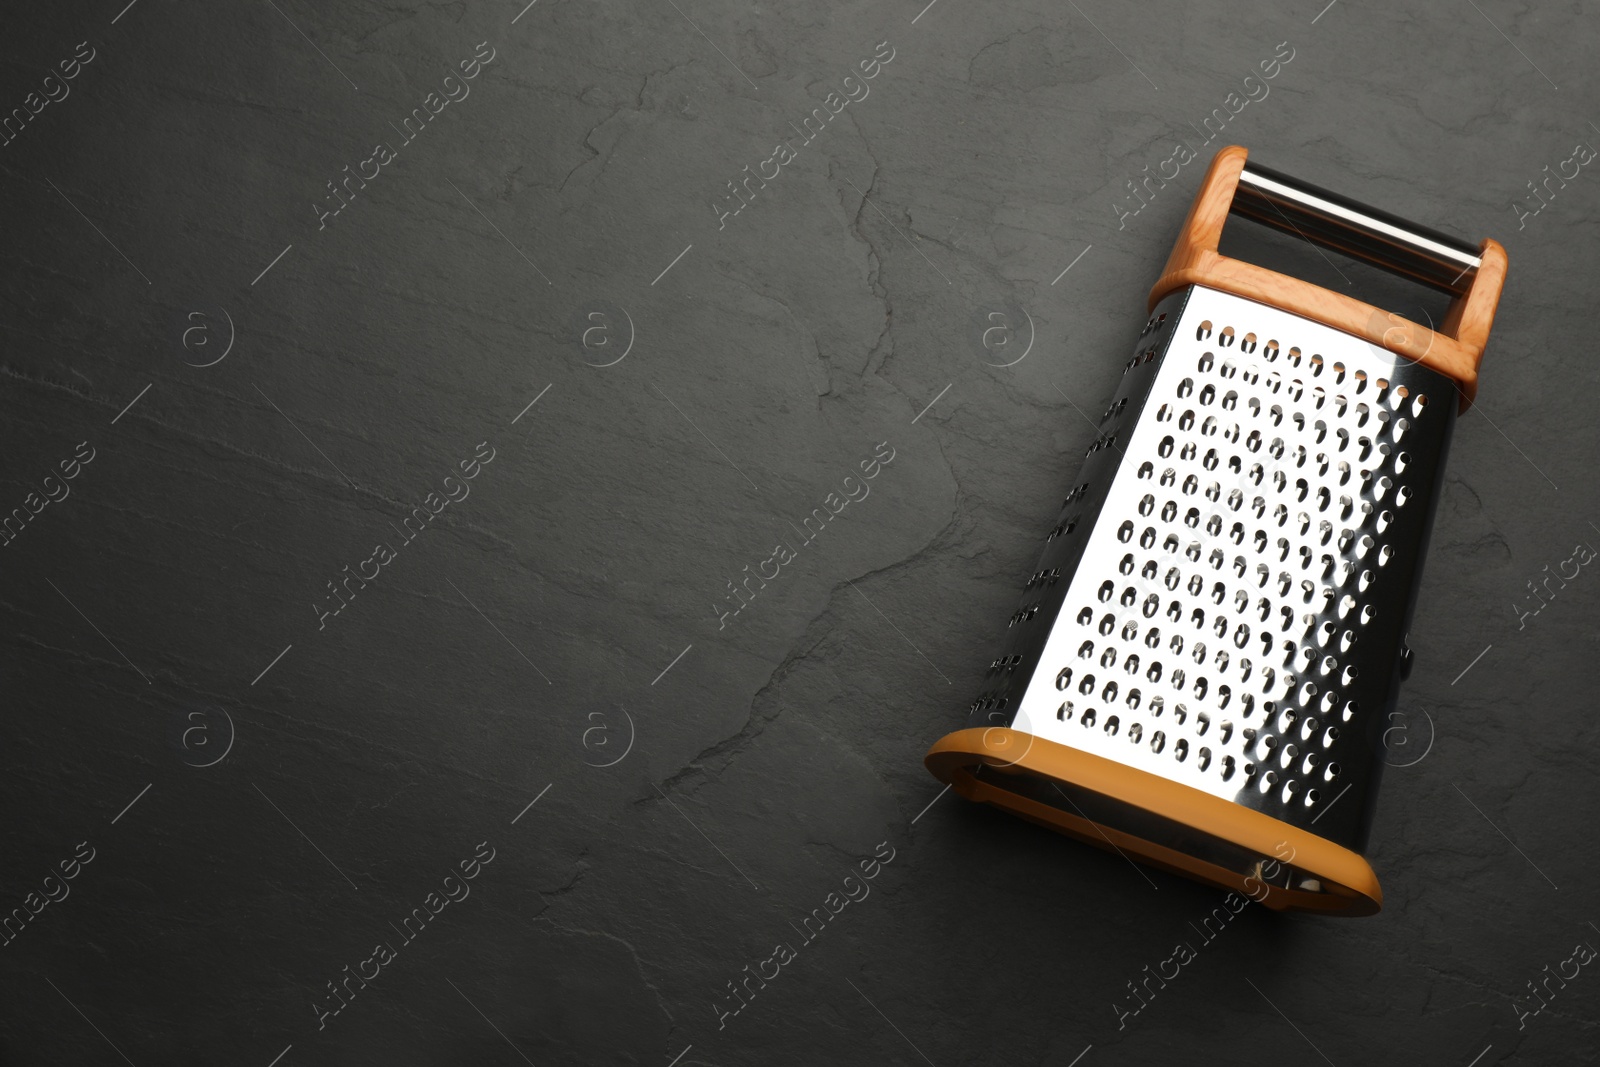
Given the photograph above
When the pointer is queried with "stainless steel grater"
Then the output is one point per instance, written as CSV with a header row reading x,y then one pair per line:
x,y
1203,663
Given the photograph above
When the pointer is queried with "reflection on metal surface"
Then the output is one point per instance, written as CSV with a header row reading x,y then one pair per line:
x,y
1223,598
1337,222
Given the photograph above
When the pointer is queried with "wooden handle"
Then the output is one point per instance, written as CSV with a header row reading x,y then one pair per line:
x,y
1455,348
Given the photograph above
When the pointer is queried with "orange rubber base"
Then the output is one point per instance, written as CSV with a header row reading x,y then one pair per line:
x,y
1328,878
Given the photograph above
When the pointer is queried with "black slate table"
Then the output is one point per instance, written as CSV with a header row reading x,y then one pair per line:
x,y
399,397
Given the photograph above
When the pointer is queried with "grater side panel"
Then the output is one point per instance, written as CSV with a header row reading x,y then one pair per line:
x,y
1232,612
1044,591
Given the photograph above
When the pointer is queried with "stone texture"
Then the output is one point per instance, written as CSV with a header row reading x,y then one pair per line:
x,y
522,641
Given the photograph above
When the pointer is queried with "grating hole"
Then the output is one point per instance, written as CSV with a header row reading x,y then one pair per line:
x,y
1312,493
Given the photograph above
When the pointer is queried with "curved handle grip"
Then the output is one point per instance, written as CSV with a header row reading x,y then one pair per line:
x,y
1344,225
1454,347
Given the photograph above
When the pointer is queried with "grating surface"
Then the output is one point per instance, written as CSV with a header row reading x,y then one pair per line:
x,y
1223,599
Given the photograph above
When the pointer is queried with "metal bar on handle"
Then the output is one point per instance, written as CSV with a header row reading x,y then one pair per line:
x,y
1344,225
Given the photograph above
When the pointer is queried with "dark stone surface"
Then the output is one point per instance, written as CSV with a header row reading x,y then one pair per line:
x,y
524,638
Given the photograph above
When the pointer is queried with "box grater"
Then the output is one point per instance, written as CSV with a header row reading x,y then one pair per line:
x,y
1204,661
